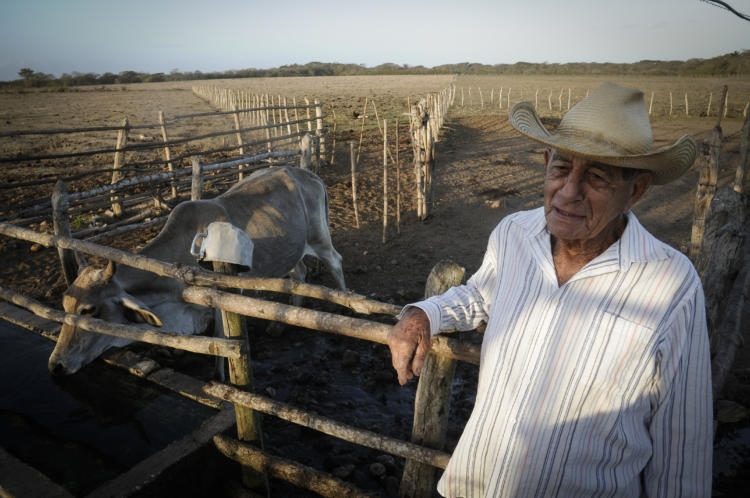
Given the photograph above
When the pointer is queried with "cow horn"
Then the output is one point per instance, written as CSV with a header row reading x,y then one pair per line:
x,y
109,271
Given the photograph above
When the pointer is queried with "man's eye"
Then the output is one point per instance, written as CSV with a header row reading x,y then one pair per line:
x,y
597,179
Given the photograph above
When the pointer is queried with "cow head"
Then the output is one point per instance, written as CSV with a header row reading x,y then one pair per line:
x,y
95,293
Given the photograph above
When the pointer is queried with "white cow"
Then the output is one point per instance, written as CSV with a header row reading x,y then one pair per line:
x,y
284,211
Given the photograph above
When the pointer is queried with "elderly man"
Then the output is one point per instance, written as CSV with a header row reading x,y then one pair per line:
x,y
595,372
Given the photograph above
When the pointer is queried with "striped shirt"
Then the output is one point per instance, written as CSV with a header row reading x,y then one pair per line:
x,y
598,387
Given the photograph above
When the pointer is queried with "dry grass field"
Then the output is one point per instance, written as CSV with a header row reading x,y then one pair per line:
x,y
484,171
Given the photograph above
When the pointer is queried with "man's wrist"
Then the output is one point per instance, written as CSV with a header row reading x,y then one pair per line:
x,y
431,310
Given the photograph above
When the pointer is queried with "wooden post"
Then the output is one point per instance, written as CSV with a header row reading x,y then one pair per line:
x,y
333,138
670,103
272,110
708,107
167,153
739,179
536,100
255,118
309,120
462,96
705,193
415,129
559,101
238,133
549,101
122,140
385,181
650,103
433,398
296,112
377,118
722,105
721,254
726,101
363,117
241,376
196,186
568,98
286,117
61,225
354,181
267,127
481,97
398,183
500,99
429,168
508,106
687,106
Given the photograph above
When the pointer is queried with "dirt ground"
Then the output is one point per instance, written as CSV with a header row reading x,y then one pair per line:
x,y
484,172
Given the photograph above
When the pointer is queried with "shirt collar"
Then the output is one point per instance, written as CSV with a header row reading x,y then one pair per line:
x,y
636,245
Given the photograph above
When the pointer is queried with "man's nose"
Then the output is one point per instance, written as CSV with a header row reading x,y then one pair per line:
x,y
572,188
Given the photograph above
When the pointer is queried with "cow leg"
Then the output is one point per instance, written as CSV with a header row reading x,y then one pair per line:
x,y
332,259
299,273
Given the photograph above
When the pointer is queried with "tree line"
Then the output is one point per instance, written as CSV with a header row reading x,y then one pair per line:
x,y
733,64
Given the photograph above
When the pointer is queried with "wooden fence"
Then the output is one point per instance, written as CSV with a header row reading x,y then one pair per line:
x,y
195,279
146,175
427,117
720,250
556,101
268,111
156,173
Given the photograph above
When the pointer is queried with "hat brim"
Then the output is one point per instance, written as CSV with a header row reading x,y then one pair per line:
x,y
665,163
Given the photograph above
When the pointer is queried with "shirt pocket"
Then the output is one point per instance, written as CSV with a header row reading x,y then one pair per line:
x,y
626,360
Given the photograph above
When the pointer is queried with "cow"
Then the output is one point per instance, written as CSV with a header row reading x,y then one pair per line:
x,y
284,210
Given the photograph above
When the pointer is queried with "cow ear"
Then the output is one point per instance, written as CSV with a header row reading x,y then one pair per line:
x,y
141,311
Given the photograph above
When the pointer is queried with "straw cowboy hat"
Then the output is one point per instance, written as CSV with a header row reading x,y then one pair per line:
x,y
610,126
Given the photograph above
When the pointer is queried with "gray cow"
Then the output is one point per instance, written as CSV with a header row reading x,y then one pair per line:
x,y
284,210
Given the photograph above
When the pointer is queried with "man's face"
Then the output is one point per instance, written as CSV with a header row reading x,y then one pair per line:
x,y
584,200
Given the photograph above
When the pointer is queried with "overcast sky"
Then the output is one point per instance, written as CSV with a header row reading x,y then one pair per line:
x,y
59,36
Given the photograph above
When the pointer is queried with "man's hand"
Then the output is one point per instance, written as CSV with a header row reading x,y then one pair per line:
x,y
409,341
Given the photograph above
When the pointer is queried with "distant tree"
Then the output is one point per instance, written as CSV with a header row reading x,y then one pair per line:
x,y
129,77
107,79
155,78
26,73
34,78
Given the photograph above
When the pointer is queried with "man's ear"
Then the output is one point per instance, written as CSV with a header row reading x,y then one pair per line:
x,y
641,183
140,311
